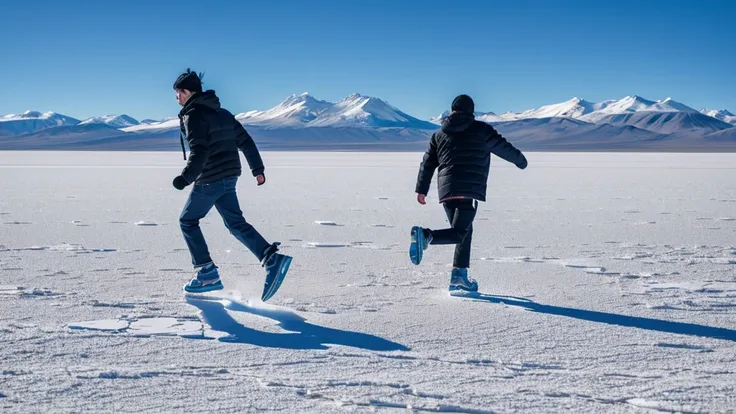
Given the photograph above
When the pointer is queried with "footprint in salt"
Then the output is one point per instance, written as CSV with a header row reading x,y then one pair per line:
x,y
326,223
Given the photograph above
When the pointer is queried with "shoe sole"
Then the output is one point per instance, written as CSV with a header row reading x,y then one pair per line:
x,y
458,288
207,288
278,279
465,293
416,249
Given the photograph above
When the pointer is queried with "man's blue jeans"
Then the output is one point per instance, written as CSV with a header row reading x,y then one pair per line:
x,y
222,195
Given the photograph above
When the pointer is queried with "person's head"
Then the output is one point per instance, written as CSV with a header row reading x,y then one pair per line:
x,y
463,103
186,85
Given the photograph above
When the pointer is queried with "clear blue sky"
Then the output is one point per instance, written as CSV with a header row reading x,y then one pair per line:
x,y
85,58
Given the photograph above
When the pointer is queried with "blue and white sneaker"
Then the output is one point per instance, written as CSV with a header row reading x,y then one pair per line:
x,y
207,279
419,243
460,281
276,265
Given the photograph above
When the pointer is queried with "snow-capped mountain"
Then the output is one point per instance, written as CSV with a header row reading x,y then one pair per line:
x,y
488,117
355,111
720,114
116,121
668,122
32,121
633,104
166,123
574,108
578,108
558,132
366,111
296,110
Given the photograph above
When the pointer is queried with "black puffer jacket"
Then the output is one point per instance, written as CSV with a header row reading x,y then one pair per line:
x,y
461,152
214,137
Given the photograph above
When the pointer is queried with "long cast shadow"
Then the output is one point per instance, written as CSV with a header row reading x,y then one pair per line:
x,y
613,318
307,336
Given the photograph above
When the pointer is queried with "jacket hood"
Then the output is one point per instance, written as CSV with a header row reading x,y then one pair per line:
x,y
207,99
457,122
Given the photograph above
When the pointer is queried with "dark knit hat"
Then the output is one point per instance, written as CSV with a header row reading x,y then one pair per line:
x,y
463,103
190,81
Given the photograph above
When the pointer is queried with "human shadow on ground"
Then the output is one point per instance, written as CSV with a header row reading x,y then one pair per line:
x,y
306,336
651,324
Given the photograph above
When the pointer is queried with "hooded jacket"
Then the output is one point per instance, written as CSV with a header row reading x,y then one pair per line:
x,y
214,137
461,153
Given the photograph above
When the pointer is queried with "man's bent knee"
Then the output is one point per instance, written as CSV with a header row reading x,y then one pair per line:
x,y
185,223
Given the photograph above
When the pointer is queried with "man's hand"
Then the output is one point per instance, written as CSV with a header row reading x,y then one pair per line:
x,y
421,199
523,164
180,182
261,179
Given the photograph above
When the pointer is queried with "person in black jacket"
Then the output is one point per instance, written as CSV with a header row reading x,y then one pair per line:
x,y
214,137
461,153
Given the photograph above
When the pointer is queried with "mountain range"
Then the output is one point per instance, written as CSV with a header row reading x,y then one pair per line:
x,y
358,122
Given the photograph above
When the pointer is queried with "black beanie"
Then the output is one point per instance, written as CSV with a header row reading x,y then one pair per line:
x,y
190,81
463,103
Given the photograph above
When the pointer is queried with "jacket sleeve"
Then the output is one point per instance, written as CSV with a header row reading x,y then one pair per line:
x,y
499,146
249,149
197,132
427,167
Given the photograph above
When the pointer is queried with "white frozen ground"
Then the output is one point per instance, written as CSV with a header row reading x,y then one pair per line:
x,y
609,285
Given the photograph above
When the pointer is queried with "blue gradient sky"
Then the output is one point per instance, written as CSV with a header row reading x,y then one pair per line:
x,y
86,58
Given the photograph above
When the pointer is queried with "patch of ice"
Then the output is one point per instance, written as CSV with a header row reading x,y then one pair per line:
x,y
108,325
656,405
165,327
325,245
33,248
11,290
144,326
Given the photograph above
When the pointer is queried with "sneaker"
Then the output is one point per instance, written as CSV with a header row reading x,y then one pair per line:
x,y
276,265
207,279
420,239
459,280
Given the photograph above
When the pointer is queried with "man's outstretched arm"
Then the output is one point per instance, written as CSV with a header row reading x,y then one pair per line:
x,y
499,146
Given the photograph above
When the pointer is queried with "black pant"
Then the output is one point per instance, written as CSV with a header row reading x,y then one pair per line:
x,y
222,195
461,214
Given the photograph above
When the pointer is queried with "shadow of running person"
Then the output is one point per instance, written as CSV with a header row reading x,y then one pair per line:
x,y
651,324
307,336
